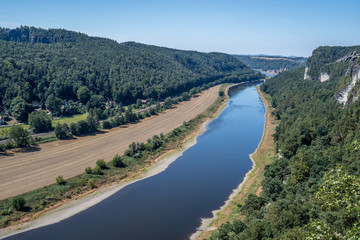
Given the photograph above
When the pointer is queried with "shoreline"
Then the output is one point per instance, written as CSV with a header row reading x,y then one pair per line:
x,y
66,210
206,222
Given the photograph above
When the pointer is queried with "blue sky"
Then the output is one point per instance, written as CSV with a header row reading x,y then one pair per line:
x,y
291,27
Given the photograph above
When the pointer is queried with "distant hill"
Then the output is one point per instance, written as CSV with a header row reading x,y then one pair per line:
x,y
271,64
36,63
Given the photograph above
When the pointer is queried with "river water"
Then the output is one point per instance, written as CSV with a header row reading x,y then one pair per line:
x,y
170,205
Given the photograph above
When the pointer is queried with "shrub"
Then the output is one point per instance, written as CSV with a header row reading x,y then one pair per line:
x,y
88,170
62,131
18,203
97,171
117,161
74,128
60,180
107,124
90,183
40,122
101,163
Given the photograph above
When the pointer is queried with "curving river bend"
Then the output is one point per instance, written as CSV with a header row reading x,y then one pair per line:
x,y
170,205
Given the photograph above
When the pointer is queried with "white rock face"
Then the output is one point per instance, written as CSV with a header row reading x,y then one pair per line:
x,y
324,77
343,95
306,74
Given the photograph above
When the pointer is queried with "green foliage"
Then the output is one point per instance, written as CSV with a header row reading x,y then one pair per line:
x,y
168,102
90,183
101,164
18,203
20,109
117,161
97,171
20,136
54,105
88,170
62,131
64,63
40,122
96,101
60,180
107,124
83,94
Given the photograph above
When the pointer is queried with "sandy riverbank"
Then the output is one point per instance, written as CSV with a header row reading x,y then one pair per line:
x,y
76,206
92,199
243,186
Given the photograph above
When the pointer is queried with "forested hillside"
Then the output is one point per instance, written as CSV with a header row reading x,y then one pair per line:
x,y
36,64
266,63
312,190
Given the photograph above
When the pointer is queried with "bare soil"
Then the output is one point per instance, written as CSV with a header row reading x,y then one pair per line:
x,y
23,171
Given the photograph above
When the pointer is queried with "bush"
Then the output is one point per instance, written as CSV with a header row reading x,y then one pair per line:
x,y
88,170
117,161
74,128
101,164
62,131
107,124
90,183
20,136
40,122
97,171
60,180
18,203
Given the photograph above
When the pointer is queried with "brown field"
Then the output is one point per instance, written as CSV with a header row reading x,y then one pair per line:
x,y
21,172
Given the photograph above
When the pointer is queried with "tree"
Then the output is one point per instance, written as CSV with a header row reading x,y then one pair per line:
x,y
168,103
185,96
20,109
96,101
117,161
40,122
101,164
54,104
62,131
20,136
92,123
83,94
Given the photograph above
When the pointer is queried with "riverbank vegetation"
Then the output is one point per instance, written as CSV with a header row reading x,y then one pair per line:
x,y
68,72
228,217
312,190
132,164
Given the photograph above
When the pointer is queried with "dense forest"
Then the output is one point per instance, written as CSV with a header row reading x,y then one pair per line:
x,y
38,65
265,63
312,191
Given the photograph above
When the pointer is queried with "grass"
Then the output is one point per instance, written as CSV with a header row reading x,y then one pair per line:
x,y
71,119
264,155
47,197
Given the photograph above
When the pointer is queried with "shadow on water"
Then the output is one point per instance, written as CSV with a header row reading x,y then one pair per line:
x,y
170,205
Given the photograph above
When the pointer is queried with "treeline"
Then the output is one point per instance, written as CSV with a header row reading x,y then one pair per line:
x,y
312,191
138,156
273,62
323,60
57,68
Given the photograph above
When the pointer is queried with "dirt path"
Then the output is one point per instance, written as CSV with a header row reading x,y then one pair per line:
x,y
23,172
262,156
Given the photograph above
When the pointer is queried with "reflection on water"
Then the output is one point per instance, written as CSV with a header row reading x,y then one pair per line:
x,y
171,204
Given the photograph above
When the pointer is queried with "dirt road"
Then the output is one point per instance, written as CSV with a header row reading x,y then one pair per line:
x,y
23,172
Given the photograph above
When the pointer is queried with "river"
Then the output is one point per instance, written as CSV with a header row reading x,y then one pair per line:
x,y
170,205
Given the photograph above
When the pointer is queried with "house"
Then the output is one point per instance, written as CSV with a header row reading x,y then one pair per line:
x,y
143,101
2,120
